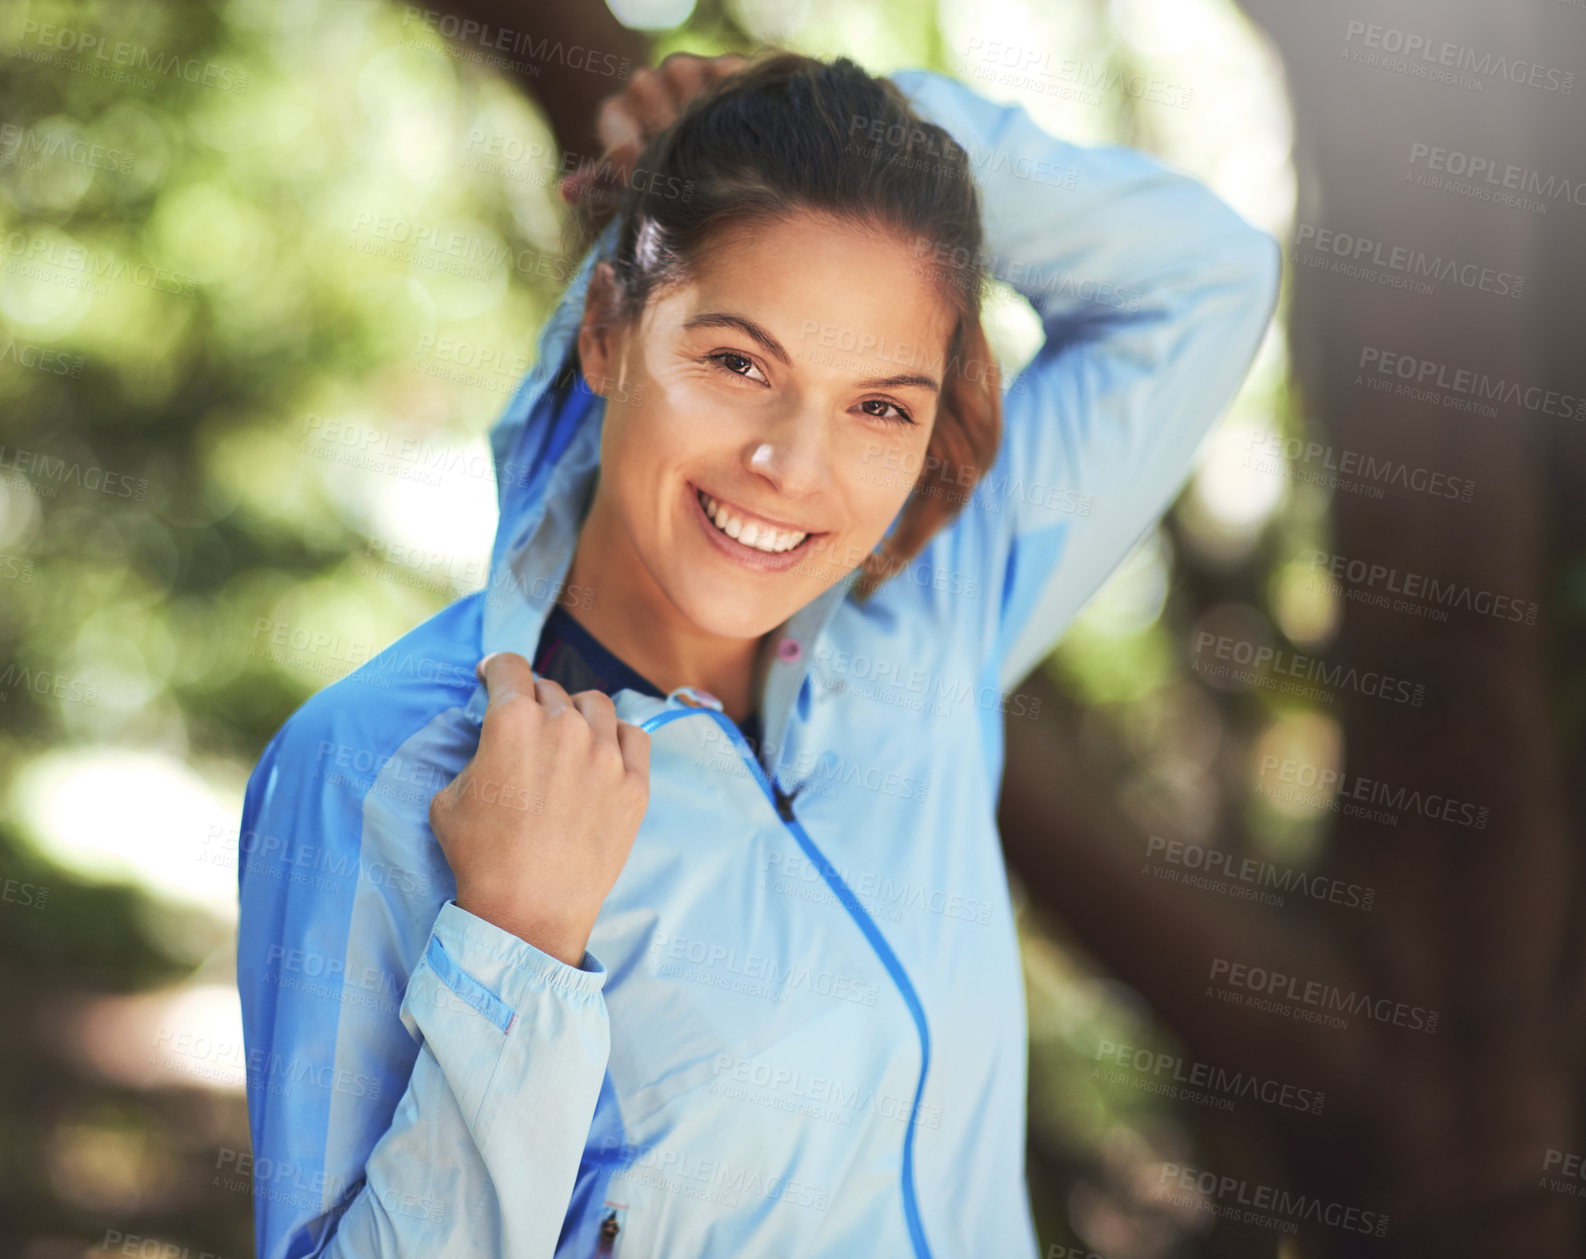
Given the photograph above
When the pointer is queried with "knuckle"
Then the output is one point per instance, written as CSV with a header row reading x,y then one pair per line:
x,y
611,756
506,709
570,728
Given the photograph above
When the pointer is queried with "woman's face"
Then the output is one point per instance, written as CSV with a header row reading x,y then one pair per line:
x,y
785,393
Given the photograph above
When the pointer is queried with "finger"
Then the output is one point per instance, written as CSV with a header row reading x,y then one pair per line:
x,y
616,124
552,697
650,100
505,674
685,75
635,745
618,129
599,712
718,68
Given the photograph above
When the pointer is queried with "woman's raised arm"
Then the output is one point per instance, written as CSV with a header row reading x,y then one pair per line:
x,y
1154,296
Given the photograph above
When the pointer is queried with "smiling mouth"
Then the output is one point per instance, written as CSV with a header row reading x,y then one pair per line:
x,y
749,531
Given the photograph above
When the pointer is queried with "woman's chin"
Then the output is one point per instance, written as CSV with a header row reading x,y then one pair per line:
x,y
720,608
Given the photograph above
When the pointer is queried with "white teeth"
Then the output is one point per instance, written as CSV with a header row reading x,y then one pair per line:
x,y
751,533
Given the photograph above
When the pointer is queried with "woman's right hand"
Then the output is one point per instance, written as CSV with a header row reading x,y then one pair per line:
x,y
538,825
648,104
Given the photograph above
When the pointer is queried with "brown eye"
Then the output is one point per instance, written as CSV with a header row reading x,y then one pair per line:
x,y
729,360
899,416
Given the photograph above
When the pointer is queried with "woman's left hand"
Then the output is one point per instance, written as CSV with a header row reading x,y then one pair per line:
x,y
651,100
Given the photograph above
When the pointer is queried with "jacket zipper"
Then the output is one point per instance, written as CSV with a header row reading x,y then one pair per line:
x,y
783,805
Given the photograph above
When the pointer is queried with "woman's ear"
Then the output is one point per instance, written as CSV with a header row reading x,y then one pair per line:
x,y
597,331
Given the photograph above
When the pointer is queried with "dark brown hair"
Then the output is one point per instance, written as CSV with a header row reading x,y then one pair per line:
x,y
789,132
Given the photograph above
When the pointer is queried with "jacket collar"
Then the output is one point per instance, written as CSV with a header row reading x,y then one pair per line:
x,y
546,449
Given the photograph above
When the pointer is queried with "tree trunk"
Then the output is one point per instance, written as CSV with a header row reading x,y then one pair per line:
x,y
1458,1134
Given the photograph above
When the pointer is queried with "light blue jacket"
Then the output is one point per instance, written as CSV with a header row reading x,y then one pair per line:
x,y
796,1035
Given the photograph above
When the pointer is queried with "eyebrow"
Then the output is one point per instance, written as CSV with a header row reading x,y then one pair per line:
x,y
721,319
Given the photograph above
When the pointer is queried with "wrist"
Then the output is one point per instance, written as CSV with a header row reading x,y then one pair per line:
x,y
554,935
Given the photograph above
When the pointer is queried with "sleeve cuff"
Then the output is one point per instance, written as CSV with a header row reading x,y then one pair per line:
x,y
507,967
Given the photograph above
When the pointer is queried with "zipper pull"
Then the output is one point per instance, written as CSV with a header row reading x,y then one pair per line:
x,y
610,1230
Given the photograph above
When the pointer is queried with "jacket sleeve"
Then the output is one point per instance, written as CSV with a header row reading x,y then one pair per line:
x,y
1154,296
452,1125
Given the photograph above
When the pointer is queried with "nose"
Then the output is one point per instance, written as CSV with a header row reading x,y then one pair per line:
x,y
792,452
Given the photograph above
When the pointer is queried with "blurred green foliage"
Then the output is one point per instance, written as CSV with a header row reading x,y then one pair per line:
x,y
269,271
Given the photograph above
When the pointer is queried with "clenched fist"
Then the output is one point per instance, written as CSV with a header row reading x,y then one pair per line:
x,y
538,825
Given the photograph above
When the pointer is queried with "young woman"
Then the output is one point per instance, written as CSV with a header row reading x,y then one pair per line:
x,y
681,927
